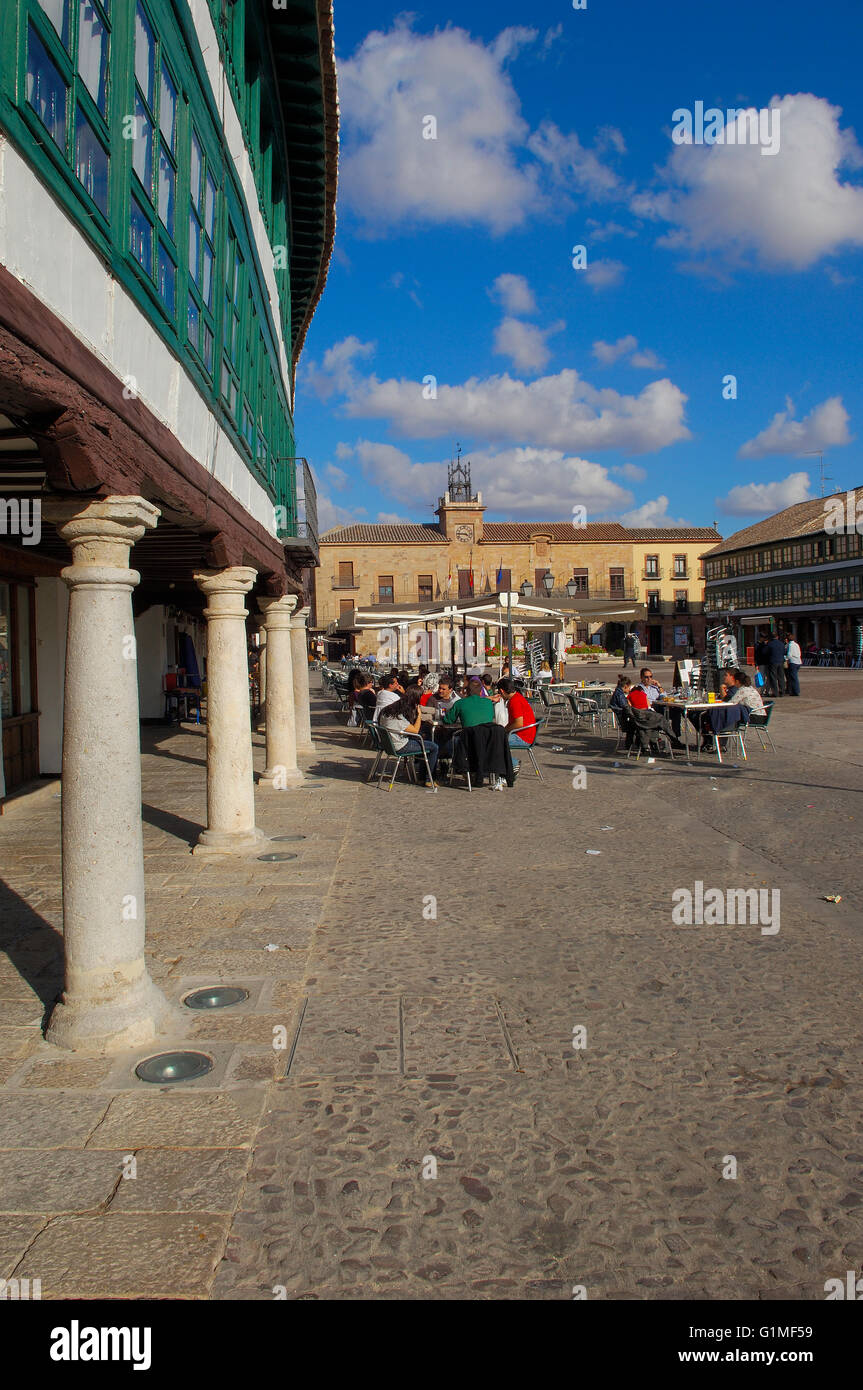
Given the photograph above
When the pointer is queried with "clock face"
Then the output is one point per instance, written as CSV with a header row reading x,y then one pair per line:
x,y
464,533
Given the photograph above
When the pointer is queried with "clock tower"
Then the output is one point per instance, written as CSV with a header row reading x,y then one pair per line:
x,y
459,511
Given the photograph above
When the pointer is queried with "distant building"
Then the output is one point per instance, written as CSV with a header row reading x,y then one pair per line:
x,y
800,570
622,577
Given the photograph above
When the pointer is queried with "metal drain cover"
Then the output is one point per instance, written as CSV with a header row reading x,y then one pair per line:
x,y
217,997
174,1066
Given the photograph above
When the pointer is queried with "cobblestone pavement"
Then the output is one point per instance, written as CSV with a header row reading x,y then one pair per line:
x,y
424,1126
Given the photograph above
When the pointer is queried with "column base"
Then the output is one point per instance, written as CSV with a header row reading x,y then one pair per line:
x,y
211,842
82,1023
281,778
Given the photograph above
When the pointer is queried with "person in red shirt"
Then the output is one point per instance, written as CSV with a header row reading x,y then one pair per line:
x,y
521,728
638,698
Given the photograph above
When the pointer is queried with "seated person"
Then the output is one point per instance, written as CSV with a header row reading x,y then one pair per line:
x,y
741,691
445,697
364,697
620,697
402,721
488,685
473,708
650,686
521,727
545,673
638,697
389,692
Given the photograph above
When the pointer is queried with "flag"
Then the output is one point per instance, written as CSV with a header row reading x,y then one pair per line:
x,y
470,574
500,574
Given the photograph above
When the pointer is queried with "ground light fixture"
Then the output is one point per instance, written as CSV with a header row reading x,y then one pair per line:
x,y
216,997
276,838
174,1066
277,858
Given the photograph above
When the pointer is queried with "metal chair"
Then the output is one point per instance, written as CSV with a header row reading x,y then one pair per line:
x,y
529,747
374,733
735,733
583,708
553,703
761,724
401,755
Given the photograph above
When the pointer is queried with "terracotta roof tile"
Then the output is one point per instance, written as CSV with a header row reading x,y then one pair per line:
x,y
803,519
386,533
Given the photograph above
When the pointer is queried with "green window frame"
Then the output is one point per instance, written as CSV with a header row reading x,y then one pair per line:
x,y
154,134
65,86
232,310
204,199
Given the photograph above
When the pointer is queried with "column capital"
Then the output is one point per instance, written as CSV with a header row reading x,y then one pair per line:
x,y
236,579
277,612
301,617
100,532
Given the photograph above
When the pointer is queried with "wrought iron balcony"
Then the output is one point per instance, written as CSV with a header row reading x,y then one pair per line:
x,y
298,509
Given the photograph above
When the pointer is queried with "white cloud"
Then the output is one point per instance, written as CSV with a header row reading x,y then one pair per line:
x,y
631,472
475,171
608,353
647,358
598,231
514,293
573,167
337,371
825,425
544,484
337,476
654,513
525,344
330,515
393,518
788,209
601,275
551,36
763,499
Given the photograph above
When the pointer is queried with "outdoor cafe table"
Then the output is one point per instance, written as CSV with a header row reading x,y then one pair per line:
x,y
686,707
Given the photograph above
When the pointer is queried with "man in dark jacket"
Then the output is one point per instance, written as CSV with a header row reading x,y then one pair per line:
x,y
775,661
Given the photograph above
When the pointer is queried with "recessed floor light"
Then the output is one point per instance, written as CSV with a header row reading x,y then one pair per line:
x,y
216,997
174,1066
274,858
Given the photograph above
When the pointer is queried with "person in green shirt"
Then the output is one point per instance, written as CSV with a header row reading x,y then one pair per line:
x,y
474,708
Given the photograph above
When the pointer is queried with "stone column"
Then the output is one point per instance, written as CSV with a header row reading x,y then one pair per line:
x,y
262,674
281,770
230,780
109,1003
300,659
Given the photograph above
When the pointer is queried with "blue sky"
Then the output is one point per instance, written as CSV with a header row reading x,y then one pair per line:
x,y
454,313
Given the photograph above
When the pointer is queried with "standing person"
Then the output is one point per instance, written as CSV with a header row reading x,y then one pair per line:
x,y
761,658
630,649
775,653
794,659
521,726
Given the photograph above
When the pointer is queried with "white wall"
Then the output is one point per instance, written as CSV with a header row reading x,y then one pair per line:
x,y
52,607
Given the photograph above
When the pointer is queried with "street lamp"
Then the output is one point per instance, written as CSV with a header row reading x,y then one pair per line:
x,y
548,583
571,588
526,589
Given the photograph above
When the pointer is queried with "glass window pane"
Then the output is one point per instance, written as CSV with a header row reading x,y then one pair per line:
x,y
142,147
208,277
91,162
144,49
58,13
46,90
167,279
194,242
24,646
167,179
208,348
168,109
5,655
226,380
194,322
93,52
195,174
141,236
210,208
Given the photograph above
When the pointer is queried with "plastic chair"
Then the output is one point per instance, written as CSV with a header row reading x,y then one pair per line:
x,y
401,755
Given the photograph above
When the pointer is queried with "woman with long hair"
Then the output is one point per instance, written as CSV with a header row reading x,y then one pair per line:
x,y
402,721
